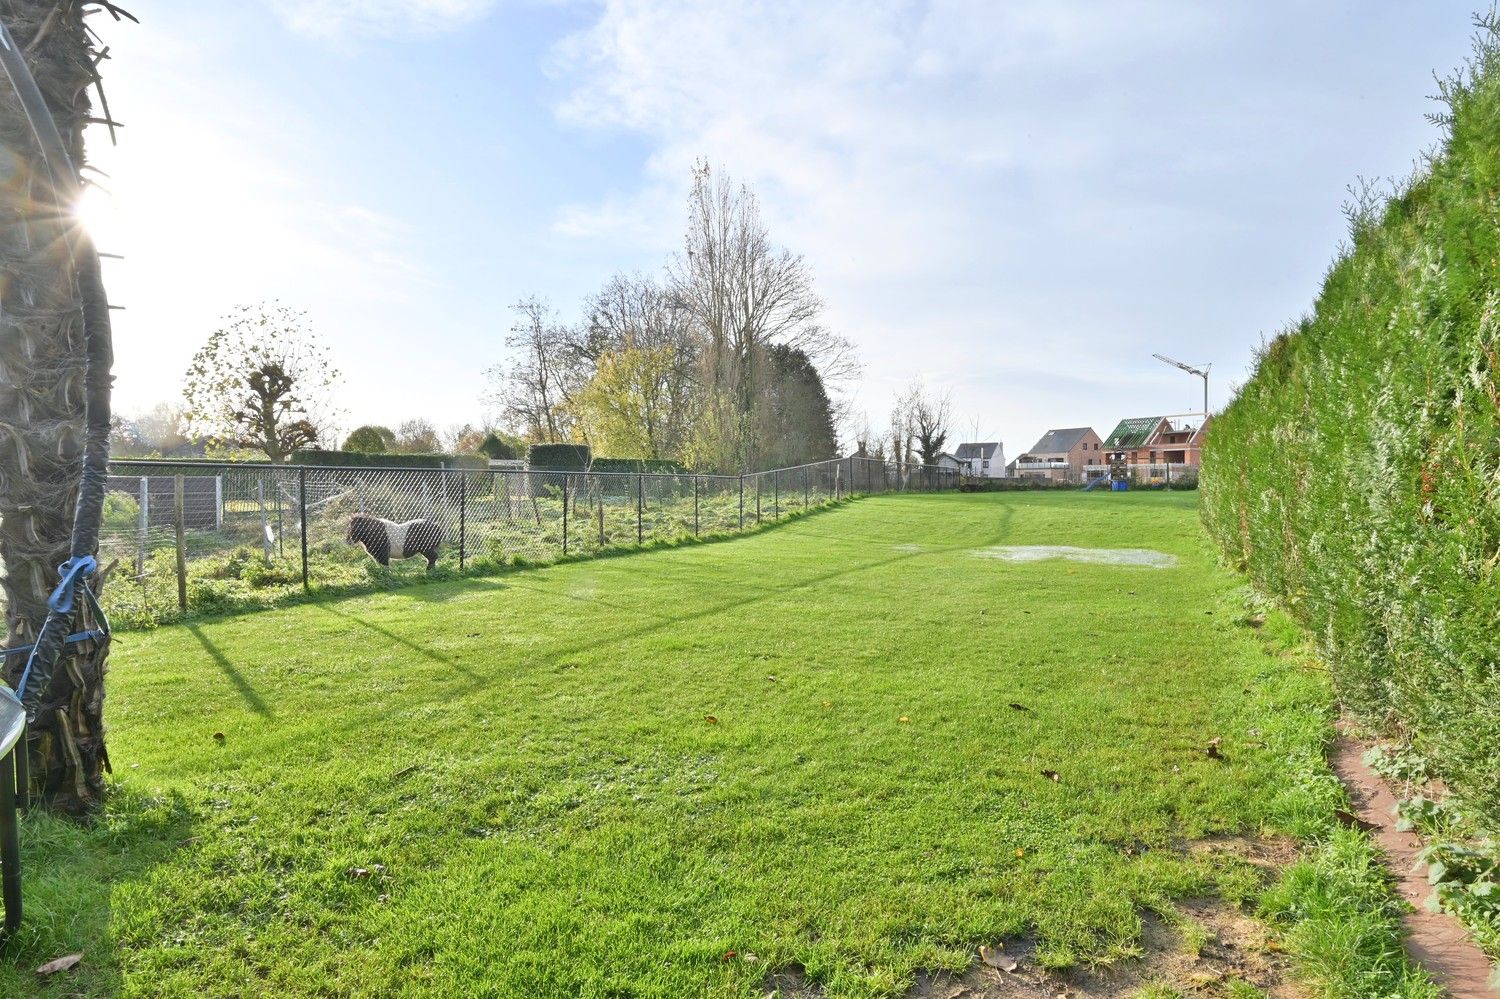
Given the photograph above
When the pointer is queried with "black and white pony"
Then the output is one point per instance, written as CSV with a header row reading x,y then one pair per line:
x,y
386,539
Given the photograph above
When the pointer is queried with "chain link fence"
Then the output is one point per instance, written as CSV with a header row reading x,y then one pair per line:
x,y
205,537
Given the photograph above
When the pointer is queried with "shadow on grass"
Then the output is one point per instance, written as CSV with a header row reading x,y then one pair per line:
x,y
232,673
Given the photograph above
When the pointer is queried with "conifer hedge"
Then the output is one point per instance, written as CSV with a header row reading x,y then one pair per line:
x,y
1356,476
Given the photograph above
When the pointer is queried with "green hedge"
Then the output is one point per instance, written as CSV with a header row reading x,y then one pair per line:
x,y
659,466
1357,474
366,459
567,457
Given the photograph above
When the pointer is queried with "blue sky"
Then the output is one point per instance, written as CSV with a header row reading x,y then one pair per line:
x,y
1018,201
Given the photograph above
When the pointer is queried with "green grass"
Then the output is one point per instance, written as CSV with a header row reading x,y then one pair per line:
x,y
512,787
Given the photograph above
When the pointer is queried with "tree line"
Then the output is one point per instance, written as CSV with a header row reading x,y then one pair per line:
x,y
721,363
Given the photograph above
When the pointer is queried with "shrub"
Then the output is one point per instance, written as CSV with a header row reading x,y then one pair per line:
x,y
370,439
564,457
497,448
1357,474
315,456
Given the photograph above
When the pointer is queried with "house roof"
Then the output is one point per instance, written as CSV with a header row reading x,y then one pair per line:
x,y
1133,432
984,450
1060,441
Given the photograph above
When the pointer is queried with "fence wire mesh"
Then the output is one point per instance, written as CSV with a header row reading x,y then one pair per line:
x,y
251,533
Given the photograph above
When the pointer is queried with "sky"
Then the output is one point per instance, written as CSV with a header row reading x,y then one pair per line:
x,y
1016,202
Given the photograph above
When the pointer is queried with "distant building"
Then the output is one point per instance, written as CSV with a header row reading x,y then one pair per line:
x,y
1066,455
949,462
1158,440
981,461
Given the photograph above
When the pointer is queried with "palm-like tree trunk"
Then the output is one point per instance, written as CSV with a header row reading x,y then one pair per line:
x,y
42,393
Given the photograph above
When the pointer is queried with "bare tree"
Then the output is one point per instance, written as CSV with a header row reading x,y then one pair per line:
x,y
744,294
919,425
417,436
532,393
262,381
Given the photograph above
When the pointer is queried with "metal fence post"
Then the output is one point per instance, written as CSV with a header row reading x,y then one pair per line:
x,y
695,506
806,488
742,501
265,525
601,518
565,513
177,486
776,494
640,501
757,499
143,527
463,519
302,517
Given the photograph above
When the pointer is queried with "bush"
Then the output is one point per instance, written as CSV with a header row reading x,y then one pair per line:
x,y
1357,474
497,448
370,439
385,459
658,466
563,457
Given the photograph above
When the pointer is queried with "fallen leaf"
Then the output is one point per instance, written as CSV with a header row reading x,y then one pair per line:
x,y
1020,852
1019,706
358,872
772,678
993,957
730,955
827,704
1053,776
749,957
1213,748
903,718
711,719
60,964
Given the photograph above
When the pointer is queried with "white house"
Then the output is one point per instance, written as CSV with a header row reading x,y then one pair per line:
x,y
982,461
949,462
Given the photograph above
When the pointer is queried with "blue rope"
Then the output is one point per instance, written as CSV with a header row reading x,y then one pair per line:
x,y
74,573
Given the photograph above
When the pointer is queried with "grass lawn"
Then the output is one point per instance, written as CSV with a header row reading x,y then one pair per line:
x,y
599,778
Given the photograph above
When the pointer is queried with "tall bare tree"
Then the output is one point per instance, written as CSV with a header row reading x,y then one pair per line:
x,y
262,381
927,421
54,389
744,294
532,393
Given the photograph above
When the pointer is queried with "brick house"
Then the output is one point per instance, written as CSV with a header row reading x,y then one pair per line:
x,y
1065,455
1158,440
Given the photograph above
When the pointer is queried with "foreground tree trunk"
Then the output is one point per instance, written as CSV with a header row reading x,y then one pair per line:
x,y
42,393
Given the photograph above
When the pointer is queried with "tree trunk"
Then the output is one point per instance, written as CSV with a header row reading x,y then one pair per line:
x,y
42,392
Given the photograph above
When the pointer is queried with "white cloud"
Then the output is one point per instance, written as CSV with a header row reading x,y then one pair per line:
x,y
343,18
912,151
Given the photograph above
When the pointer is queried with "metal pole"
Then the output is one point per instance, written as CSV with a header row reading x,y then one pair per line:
x,y
265,525
177,487
302,517
565,513
601,518
10,841
742,501
757,499
806,488
463,520
23,773
143,526
695,506
640,499
776,494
